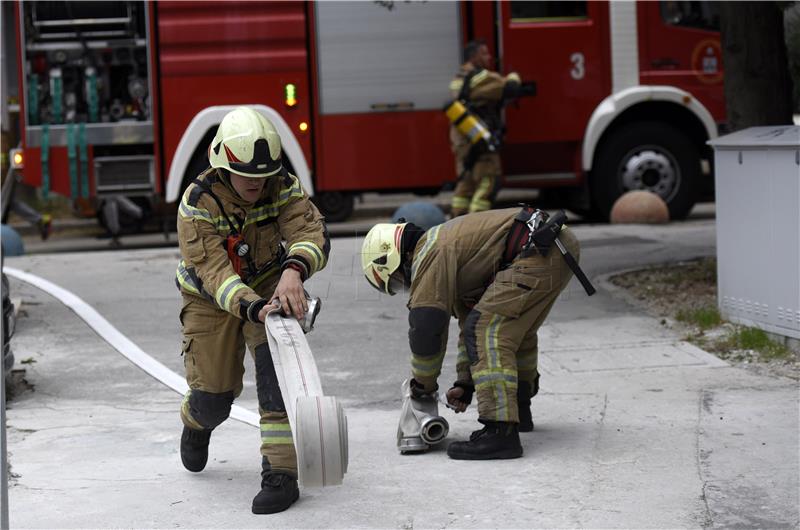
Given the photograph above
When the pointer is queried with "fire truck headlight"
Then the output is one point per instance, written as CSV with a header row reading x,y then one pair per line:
x,y
303,126
17,160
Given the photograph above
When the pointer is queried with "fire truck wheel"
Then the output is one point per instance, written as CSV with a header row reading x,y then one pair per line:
x,y
336,206
647,156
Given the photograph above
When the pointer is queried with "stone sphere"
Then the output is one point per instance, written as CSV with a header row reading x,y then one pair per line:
x,y
423,214
12,243
639,207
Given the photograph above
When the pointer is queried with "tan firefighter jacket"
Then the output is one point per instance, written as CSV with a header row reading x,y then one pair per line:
x,y
284,213
456,261
486,95
453,265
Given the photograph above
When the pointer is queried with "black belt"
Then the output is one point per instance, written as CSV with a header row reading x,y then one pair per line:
x,y
535,231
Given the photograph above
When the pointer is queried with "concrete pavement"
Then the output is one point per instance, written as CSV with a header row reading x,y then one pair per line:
x,y
634,427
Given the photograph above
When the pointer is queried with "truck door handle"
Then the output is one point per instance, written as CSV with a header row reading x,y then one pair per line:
x,y
665,62
400,105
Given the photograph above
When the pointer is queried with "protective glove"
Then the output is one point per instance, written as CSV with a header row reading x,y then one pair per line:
x,y
460,395
251,311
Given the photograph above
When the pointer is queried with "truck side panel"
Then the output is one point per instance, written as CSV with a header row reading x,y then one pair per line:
x,y
228,53
386,151
564,48
155,100
679,45
383,71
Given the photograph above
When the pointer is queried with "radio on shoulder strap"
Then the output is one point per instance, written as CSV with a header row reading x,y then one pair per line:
x,y
236,247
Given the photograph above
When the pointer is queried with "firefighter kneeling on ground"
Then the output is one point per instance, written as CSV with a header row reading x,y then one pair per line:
x,y
231,223
482,269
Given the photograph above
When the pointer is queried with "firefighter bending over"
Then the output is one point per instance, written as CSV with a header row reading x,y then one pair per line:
x,y
478,163
485,270
231,224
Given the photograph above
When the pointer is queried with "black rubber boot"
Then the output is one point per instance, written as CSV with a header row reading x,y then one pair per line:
x,y
497,440
524,406
278,492
194,448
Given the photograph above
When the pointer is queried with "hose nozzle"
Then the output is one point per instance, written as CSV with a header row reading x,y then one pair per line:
x,y
420,424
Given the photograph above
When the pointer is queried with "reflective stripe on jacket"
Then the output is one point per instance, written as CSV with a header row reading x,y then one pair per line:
x,y
283,213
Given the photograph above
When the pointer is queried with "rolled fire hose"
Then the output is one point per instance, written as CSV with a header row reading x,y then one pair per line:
x,y
318,422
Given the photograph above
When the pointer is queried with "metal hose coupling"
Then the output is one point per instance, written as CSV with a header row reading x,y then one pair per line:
x,y
307,322
314,305
420,424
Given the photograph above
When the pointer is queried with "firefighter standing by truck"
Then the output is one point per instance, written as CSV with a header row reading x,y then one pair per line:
x,y
499,274
231,223
483,92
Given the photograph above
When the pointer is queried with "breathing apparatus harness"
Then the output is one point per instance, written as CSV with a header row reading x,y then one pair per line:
x,y
237,248
535,231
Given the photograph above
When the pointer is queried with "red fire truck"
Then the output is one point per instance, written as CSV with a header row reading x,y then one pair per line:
x,y
120,99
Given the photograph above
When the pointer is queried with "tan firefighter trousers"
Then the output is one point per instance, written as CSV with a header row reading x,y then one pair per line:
x,y
213,349
500,333
477,188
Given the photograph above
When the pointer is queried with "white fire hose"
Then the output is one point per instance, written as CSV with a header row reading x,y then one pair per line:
x,y
318,422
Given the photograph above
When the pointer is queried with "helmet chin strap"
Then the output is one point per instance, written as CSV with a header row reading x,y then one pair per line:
x,y
224,175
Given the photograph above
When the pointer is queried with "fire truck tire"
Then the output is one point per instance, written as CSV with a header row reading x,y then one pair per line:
x,y
647,156
336,206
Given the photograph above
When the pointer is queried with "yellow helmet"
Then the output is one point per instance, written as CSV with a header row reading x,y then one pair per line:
x,y
247,144
380,256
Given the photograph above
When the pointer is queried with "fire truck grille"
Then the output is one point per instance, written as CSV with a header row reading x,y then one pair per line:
x,y
124,174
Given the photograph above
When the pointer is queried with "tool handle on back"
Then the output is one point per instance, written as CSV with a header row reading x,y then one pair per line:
x,y
587,285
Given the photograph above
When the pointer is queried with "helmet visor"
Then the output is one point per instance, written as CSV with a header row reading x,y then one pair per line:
x,y
261,165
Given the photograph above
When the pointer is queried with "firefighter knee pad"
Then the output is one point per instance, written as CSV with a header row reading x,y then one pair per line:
x,y
208,409
267,387
427,326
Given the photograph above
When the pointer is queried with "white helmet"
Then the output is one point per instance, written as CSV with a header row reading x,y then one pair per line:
x,y
247,144
380,256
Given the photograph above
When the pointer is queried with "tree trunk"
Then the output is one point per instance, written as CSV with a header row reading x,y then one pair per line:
x,y
758,88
